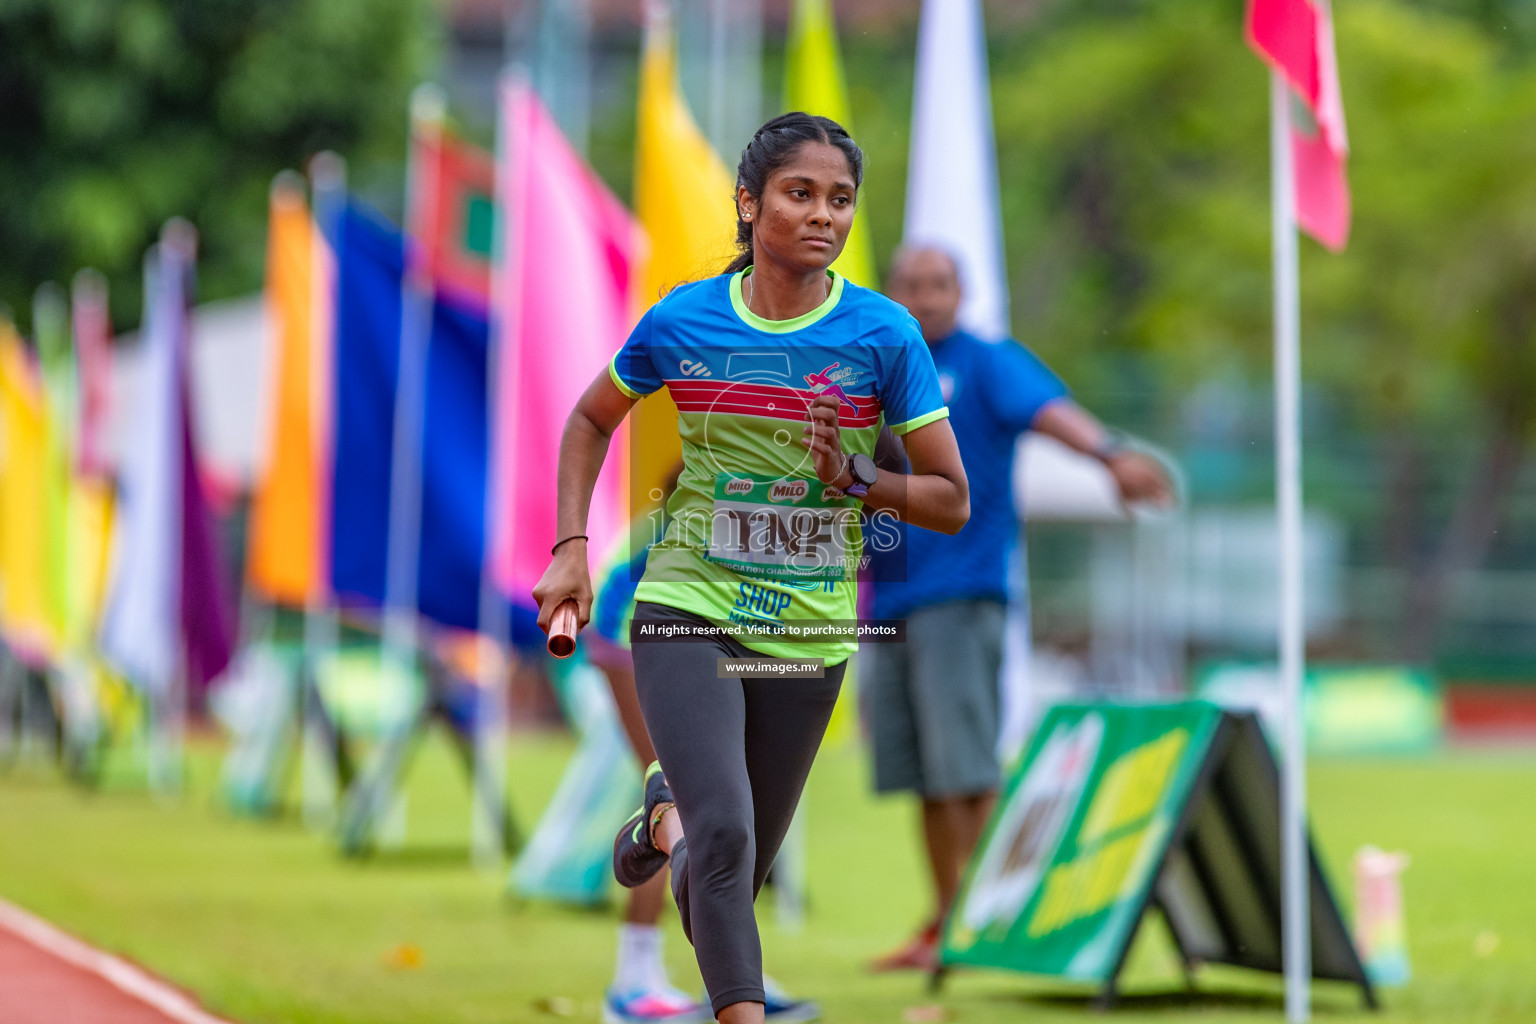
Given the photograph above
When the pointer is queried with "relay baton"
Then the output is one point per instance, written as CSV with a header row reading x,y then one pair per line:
x,y
562,629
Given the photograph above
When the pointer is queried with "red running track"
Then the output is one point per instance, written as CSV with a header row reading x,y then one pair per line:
x,y
48,977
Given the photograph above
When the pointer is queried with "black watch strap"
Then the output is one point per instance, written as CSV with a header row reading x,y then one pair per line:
x,y
1112,444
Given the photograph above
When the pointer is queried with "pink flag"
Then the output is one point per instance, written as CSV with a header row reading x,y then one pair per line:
x,y
1322,189
93,369
561,309
1295,37
1284,34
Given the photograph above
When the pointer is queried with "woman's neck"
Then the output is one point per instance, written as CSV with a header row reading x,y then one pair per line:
x,y
775,293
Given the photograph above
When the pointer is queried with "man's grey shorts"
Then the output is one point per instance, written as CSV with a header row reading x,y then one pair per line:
x,y
932,702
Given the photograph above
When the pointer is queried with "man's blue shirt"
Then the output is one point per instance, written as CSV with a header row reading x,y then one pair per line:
x,y
994,390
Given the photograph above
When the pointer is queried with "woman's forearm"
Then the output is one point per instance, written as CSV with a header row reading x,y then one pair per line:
x,y
931,500
1071,424
583,447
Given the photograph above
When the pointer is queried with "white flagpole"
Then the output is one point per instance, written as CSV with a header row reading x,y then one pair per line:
x,y
399,639
328,188
404,546
489,838
178,247
1295,870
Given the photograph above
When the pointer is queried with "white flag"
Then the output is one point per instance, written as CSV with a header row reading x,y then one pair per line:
x,y
141,629
952,199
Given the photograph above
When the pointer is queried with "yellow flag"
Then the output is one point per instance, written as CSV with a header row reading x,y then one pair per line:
x,y
813,82
282,555
27,607
89,519
683,197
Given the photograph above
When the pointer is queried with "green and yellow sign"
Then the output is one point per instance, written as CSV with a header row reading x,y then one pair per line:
x,y
1063,873
1119,807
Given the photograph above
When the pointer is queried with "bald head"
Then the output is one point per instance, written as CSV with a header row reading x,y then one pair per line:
x,y
926,281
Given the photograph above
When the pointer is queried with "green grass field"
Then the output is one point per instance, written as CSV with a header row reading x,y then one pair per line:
x,y
268,925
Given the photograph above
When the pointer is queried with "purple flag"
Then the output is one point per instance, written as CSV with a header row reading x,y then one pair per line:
x,y
207,631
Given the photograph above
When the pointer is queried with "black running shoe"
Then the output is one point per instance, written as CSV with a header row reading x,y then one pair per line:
x,y
635,858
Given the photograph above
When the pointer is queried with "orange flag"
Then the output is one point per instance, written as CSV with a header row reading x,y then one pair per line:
x,y
284,553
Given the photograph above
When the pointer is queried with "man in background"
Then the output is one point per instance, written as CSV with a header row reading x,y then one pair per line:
x,y
933,703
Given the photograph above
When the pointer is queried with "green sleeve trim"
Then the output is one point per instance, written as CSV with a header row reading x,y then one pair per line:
x,y
941,413
613,373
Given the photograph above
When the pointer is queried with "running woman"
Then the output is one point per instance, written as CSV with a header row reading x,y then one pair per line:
x,y
641,992
763,532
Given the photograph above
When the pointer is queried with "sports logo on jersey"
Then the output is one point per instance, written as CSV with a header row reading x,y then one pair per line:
x,y
738,486
693,368
830,493
830,381
788,490
758,367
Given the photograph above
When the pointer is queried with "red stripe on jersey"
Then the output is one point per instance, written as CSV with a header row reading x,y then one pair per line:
x,y
754,399
794,413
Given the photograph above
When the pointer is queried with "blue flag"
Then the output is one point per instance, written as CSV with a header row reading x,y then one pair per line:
x,y
369,264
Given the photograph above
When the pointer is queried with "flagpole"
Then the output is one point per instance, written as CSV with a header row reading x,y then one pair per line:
x,y
719,74
399,640
156,755
178,248
317,740
50,329
563,66
489,836
1295,890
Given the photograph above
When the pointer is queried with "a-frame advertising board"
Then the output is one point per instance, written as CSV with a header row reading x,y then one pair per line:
x,y
1115,809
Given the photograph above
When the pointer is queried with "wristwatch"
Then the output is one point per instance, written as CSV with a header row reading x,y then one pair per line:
x,y
1112,444
862,468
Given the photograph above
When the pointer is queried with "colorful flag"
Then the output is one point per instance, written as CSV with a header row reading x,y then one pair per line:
x,y
89,522
90,515
814,83
50,326
370,262
139,631
952,197
1295,37
453,215
283,555
207,622
565,305
166,605
683,196
26,615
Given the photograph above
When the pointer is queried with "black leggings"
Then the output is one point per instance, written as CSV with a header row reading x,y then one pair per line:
x,y
736,753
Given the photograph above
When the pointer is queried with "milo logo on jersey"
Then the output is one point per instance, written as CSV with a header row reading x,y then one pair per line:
x,y
788,490
783,528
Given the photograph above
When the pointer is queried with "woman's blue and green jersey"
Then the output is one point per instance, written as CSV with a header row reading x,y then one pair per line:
x,y
752,536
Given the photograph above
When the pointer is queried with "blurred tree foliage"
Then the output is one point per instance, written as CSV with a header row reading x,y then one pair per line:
x,y
1134,167
119,114
1135,154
